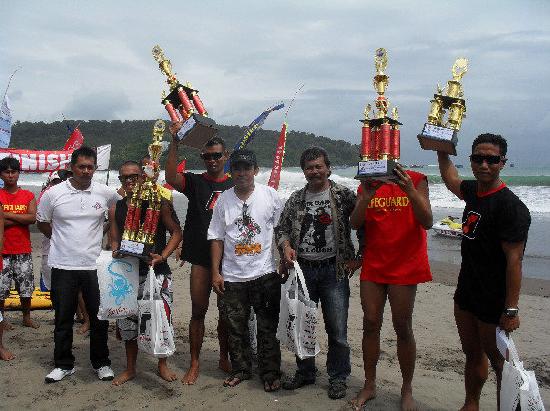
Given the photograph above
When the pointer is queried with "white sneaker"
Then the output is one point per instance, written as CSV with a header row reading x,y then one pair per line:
x,y
58,374
105,373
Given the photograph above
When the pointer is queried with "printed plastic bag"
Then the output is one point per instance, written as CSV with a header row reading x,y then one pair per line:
x,y
155,332
297,329
518,386
118,280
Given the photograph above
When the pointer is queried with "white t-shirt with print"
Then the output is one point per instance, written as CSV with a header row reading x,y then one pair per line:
x,y
76,217
246,229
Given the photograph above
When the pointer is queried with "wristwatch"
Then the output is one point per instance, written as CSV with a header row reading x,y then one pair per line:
x,y
511,312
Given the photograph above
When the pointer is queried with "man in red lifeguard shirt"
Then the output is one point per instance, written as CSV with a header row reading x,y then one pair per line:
x,y
19,212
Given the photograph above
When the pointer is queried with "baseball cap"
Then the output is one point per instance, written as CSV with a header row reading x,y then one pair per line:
x,y
243,156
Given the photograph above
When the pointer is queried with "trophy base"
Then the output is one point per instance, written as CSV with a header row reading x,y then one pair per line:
x,y
436,138
197,130
135,249
381,170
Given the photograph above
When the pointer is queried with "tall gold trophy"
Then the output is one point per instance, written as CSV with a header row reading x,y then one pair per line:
x,y
184,104
380,136
143,214
438,134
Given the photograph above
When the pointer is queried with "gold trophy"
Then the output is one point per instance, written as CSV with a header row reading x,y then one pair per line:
x,y
438,134
143,214
184,104
380,136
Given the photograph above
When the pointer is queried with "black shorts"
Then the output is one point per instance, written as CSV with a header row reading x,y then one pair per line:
x,y
485,306
196,253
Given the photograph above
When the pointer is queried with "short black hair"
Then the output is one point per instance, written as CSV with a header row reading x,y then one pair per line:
x,y
130,163
83,151
495,139
214,141
314,153
9,163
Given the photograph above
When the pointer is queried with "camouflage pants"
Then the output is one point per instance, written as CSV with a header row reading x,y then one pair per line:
x,y
264,295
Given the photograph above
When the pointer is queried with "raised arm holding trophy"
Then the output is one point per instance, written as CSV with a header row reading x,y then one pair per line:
x,y
440,135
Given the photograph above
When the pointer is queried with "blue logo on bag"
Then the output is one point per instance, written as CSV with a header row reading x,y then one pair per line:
x,y
120,287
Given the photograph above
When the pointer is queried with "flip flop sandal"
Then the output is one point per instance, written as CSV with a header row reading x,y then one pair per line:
x,y
240,376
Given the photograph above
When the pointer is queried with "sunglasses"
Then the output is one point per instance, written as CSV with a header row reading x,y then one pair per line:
x,y
480,158
129,177
211,156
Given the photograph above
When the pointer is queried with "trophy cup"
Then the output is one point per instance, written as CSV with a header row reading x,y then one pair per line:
x,y
183,103
143,214
380,136
438,135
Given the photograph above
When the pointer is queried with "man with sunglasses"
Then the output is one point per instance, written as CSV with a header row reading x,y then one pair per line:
x,y
202,191
495,224
71,214
129,175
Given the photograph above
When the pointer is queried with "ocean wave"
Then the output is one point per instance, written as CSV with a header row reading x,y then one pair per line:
x,y
535,196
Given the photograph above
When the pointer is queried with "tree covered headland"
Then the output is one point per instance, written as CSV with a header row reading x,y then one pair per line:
x,y
130,139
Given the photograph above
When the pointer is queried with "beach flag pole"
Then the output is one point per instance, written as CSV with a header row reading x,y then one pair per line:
x,y
279,156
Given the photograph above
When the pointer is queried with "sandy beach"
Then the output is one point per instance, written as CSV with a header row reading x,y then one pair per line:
x,y
438,382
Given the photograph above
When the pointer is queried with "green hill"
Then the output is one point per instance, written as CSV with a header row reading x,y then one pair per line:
x,y
130,138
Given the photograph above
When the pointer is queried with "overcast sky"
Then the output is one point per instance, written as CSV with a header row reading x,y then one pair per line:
x,y
92,60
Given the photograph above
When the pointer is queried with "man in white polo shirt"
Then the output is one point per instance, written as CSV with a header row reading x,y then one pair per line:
x,y
71,214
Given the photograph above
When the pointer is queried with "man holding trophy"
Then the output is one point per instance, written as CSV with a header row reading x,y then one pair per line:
x,y
136,185
393,209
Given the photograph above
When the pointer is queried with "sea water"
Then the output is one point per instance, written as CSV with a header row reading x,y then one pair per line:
x,y
531,185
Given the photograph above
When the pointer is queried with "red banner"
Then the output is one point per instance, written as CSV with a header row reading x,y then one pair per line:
x,y
75,140
33,161
278,160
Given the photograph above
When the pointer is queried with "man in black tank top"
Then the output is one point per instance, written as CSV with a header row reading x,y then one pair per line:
x,y
129,174
202,191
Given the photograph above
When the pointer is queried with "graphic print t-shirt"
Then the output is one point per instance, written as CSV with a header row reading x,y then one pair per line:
x,y
317,233
17,238
488,220
246,229
202,192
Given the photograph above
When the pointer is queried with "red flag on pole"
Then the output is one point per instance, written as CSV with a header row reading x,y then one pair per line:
x,y
278,160
75,140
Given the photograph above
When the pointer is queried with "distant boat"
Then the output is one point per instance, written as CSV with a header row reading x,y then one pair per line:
x,y
512,165
459,166
417,165
448,227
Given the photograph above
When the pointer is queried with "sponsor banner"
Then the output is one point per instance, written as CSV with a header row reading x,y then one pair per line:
x,y
103,157
5,123
275,176
42,161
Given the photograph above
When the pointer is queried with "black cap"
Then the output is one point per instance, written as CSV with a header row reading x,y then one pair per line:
x,y
243,156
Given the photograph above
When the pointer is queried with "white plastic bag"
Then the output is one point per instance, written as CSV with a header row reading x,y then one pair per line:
x,y
298,317
155,333
118,280
518,386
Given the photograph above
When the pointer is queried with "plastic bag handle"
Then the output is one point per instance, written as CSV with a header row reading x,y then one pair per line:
x,y
302,280
153,286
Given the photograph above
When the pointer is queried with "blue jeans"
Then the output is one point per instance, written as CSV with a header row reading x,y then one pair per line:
x,y
322,285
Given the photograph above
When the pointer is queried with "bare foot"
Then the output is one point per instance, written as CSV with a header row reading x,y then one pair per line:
x,y
191,375
6,355
7,326
123,377
367,393
470,407
27,322
225,365
166,373
83,329
407,401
